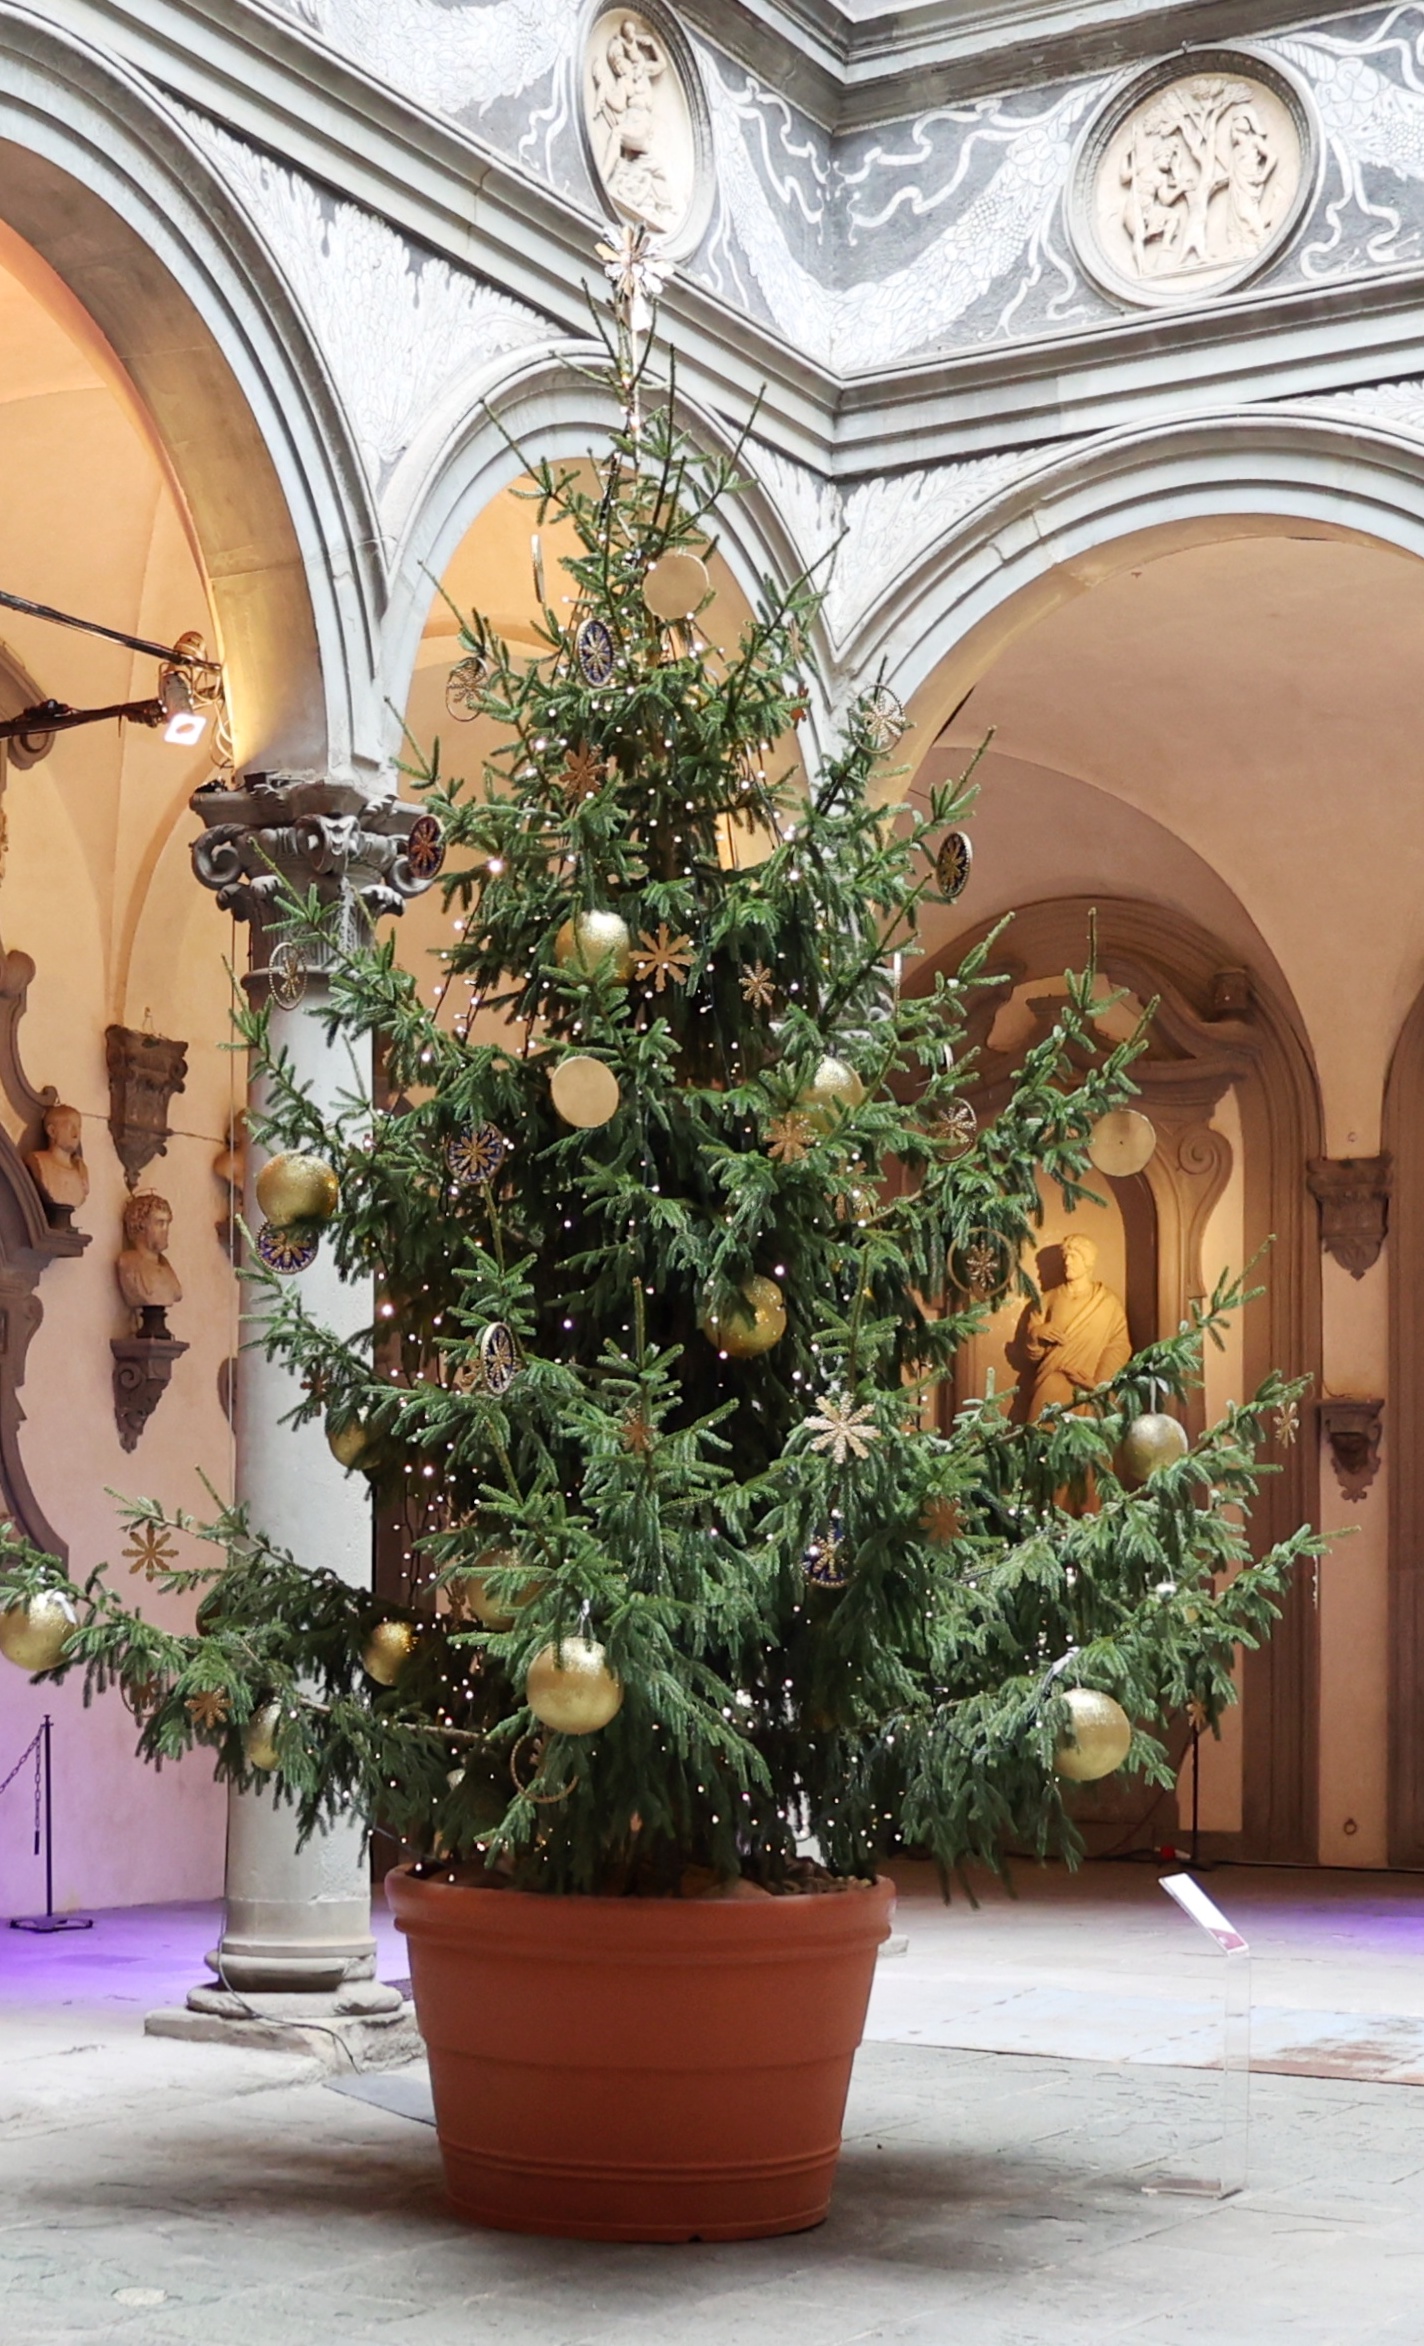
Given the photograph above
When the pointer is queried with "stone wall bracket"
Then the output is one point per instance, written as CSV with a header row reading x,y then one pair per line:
x,y
145,1071
1352,1430
143,1365
1353,1196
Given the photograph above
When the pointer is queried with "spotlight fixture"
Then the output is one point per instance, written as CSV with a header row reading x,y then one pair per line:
x,y
190,689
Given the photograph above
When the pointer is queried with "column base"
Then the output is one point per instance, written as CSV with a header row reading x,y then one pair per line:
x,y
360,2025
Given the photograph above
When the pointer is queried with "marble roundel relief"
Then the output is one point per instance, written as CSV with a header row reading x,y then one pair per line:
x,y
1192,185
640,121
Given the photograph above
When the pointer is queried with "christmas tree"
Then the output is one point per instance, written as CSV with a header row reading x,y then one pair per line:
x,y
675,1230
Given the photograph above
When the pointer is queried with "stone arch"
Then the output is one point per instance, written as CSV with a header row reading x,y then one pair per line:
x,y
120,209
1127,496
535,403
1263,1052
1404,1141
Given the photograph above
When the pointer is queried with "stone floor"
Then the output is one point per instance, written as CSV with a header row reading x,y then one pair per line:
x,y
180,2195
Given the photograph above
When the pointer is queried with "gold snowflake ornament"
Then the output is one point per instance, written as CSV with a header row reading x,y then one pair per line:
x,y
637,1434
663,957
843,1429
757,986
939,1520
584,774
149,1549
789,1137
956,1126
1287,1424
208,1709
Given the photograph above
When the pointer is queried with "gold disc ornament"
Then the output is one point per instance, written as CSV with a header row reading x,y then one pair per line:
x,y
258,1747
752,1326
595,941
1151,1441
387,1650
833,1090
1122,1142
35,1630
1098,1739
297,1188
571,1688
584,1092
676,585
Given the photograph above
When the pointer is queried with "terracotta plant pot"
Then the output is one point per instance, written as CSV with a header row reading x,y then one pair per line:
x,y
640,2068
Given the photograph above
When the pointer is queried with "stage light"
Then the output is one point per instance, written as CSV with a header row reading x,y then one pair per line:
x,y
186,722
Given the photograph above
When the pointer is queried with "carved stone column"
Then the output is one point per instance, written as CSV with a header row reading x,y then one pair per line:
x,y
297,1942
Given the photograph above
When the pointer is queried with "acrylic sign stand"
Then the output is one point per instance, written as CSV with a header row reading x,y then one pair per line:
x,y
1221,2170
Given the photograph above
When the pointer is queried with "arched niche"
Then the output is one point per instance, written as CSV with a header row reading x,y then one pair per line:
x,y
1404,1140
1202,1052
126,226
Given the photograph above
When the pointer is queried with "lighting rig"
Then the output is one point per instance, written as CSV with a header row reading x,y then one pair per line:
x,y
190,687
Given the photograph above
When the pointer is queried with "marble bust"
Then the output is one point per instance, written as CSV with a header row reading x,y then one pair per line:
x,y
1079,1339
148,1282
58,1169
639,121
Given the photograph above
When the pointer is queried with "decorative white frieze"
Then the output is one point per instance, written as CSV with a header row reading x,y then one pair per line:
x,y
400,329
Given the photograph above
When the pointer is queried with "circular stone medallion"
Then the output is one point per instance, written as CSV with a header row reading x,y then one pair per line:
x,y
1187,183
643,119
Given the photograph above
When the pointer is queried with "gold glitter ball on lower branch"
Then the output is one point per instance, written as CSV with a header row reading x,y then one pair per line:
x,y
35,1630
571,1688
387,1650
1098,1739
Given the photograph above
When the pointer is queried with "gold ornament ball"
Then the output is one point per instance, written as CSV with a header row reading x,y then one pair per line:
x,y
490,1611
1099,1737
584,1092
387,1650
755,1327
258,1745
571,1688
596,940
1151,1441
349,1444
33,1632
833,1088
295,1188
1122,1142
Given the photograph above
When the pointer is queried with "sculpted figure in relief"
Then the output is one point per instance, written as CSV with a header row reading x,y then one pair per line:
x,y
148,1282
1078,1340
626,69
1202,179
58,1169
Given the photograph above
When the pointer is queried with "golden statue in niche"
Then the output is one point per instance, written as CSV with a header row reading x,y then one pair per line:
x,y
1079,1339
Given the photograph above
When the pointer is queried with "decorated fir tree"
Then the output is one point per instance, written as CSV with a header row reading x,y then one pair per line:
x,y
675,1229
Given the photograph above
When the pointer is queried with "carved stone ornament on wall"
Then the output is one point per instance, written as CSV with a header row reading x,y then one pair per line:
x,y
1353,1196
144,1072
645,121
1187,183
1352,1430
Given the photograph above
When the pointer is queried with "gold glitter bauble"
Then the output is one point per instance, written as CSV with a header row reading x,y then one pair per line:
x,y
259,1750
596,941
490,1611
676,585
387,1650
34,1630
349,1444
571,1688
584,1092
1098,1739
295,1188
1122,1143
754,1327
1151,1441
833,1088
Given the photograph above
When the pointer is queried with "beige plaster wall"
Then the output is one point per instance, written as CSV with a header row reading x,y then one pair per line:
x,y
98,890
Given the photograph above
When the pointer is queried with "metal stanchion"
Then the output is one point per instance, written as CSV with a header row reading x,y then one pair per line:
x,y
44,1807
